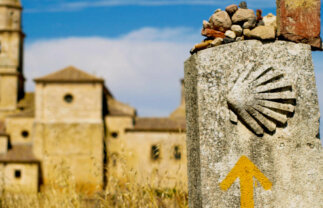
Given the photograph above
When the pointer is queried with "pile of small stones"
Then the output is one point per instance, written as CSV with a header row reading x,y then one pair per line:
x,y
236,23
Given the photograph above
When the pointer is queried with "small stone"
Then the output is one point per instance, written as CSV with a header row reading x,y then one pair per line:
x,y
220,21
258,14
261,23
231,9
217,42
247,33
270,20
263,33
251,23
211,33
193,50
218,10
203,45
243,15
240,38
230,34
237,29
243,5
206,24
228,40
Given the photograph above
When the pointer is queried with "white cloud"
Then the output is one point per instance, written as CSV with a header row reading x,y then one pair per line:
x,y
142,68
84,4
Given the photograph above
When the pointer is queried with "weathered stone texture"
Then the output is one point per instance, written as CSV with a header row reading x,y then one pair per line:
x,y
231,9
263,33
77,145
3,144
299,21
15,128
85,107
12,38
28,183
210,33
220,21
243,15
291,156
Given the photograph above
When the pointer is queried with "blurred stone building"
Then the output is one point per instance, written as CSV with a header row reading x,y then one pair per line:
x,y
72,125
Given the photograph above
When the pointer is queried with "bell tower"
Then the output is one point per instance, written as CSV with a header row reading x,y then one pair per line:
x,y
11,56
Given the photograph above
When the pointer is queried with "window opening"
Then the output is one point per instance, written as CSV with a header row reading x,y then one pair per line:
x,y
114,159
155,152
177,153
114,135
17,174
68,98
25,134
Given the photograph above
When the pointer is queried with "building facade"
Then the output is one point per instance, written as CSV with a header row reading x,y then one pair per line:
x,y
73,125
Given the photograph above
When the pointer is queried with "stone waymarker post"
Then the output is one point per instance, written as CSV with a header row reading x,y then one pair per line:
x,y
253,127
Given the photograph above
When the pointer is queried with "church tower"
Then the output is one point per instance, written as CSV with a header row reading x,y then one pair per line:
x,y
11,56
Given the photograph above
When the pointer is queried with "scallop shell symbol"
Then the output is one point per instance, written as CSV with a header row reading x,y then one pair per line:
x,y
261,99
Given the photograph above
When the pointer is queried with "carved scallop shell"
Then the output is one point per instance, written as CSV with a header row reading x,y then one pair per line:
x,y
261,99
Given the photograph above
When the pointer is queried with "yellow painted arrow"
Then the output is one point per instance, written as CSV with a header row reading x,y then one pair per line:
x,y
245,170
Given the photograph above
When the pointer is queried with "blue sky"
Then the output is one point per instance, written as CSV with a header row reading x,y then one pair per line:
x,y
138,46
62,18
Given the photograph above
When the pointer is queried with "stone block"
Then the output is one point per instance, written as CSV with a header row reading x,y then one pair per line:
x,y
3,144
299,21
257,104
210,33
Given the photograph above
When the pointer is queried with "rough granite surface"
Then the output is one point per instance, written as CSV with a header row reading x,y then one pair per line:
x,y
290,155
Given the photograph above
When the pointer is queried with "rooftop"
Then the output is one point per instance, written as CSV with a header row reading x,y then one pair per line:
x,y
19,153
70,75
117,108
26,106
159,125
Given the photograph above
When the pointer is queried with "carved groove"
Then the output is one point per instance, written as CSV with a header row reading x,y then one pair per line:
x,y
261,100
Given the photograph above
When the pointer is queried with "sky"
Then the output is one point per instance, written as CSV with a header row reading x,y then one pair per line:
x,y
137,46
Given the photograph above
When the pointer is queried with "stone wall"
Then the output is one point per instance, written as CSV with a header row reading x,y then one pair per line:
x,y
10,18
8,94
11,46
85,106
20,178
3,144
75,149
10,55
166,171
2,179
20,129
